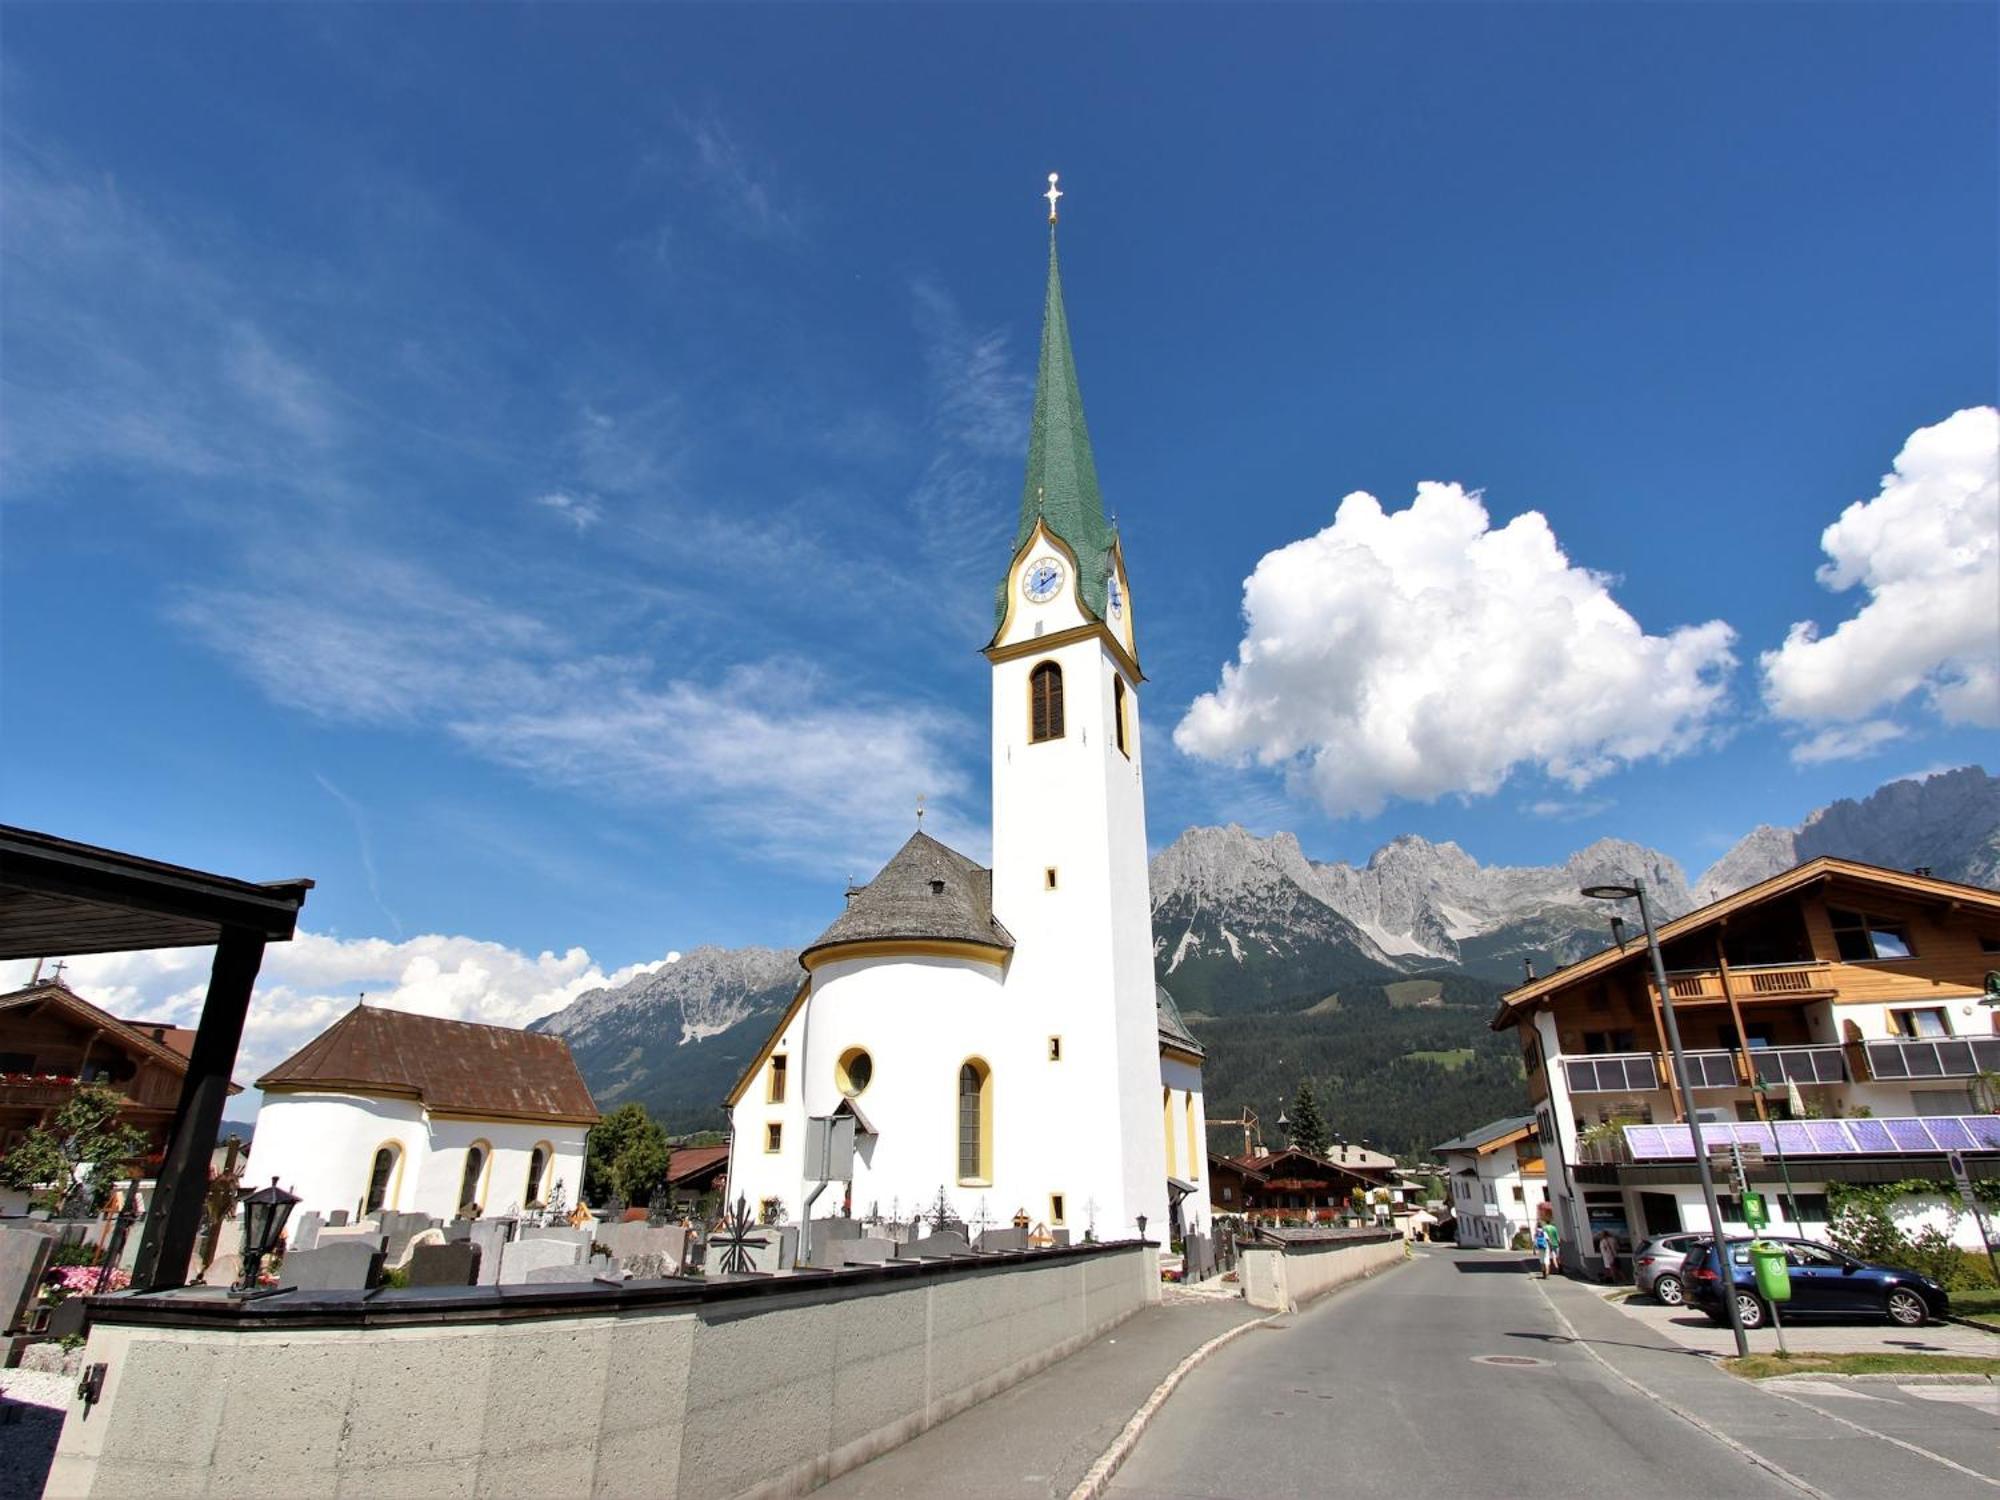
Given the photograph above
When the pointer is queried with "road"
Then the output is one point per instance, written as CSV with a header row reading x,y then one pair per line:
x,y
1461,1374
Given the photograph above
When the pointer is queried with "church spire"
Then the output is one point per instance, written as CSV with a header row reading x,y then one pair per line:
x,y
1061,487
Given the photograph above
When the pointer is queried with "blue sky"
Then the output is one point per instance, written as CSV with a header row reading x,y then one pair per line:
x,y
542,472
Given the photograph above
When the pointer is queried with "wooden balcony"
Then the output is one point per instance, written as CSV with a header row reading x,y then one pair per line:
x,y
1803,981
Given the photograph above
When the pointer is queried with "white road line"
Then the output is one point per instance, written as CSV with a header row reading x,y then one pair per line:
x,y
1871,1432
1749,1454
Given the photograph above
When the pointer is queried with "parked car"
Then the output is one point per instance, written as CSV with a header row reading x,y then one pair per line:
x,y
1825,1283
1656,1265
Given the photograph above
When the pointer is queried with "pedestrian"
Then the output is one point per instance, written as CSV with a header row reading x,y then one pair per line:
x,y
1553,1264
1607,1252
1542,1248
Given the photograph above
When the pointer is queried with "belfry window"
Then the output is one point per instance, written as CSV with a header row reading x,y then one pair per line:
x,y
1045,703
975,1122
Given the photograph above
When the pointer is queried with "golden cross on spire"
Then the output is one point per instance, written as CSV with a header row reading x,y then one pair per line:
x,y
1052,194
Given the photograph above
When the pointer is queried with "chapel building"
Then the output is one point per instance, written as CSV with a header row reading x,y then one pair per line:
x,y
996,1034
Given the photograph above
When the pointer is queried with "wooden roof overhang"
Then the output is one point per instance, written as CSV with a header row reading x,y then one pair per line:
x,y
61,897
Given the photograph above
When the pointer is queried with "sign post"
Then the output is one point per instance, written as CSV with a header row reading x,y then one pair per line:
x,y
1965,1190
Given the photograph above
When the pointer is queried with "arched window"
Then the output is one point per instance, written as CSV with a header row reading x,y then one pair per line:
x,y
538,1168
381,1175
1195,1151
475,1169
975,1122
1118,715
1167,1126
1045,703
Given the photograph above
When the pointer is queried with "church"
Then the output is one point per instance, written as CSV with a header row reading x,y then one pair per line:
x,y
996,1034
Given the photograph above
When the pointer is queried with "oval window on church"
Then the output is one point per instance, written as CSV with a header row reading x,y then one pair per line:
x,y
855,1070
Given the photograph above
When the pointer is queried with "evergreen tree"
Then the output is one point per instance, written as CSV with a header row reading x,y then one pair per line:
x,y
1308,1129
625,1153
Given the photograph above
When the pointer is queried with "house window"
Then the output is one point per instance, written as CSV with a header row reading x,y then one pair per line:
x,y
380,1175
774,1136
468,1182
1055,1208
1118,715
1927,1023
975,1122
1519,1196
1045,703
17,1062
854,1071
777,1085
1608,1041
767,1210
1049,878
538,1166
1055,1049
1228,1193
1941,1101
1860,936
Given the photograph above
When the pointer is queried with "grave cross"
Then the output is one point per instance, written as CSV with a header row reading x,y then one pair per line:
x,y
1090,1219
735,1233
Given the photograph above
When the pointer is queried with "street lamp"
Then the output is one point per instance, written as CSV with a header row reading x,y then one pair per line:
x,y
264,1215
1637,891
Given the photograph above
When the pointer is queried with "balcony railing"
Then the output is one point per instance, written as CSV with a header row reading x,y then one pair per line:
x,y
1943,1057
1612,1073
1713,1069
1930,1135
1770,981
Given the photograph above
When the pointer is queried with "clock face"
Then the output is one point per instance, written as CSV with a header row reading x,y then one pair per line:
x,y
1042,580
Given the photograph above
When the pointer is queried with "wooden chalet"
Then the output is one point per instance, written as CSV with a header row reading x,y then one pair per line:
x,y
1288,1184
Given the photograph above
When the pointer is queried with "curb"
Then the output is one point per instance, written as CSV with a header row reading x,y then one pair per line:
x,y
1913,1377
1094,1483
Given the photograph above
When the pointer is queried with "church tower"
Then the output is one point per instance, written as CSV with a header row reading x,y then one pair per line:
x,y
1069,811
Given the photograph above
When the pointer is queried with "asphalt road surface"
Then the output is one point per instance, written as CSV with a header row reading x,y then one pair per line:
x,y
1458,1375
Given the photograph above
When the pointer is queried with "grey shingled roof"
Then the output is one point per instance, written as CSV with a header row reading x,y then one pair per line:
x,y
926,891
1472,1140
1172,1028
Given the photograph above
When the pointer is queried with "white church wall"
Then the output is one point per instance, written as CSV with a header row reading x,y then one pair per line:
x,y
503,1178
755,1174
322,1147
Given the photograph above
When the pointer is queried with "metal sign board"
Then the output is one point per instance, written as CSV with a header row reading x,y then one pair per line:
x,y
830,1148
1959,1174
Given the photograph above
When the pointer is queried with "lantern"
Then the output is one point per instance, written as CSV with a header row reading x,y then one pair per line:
x,y
264,1214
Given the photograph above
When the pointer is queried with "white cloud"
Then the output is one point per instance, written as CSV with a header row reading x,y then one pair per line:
x,y
741,182
309,983
1926,551
1422,652
1568,809
580,511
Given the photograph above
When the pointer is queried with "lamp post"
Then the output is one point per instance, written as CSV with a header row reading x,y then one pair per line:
x,y
1637,891
264,1215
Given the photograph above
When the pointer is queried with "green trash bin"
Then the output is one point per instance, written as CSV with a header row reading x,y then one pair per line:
x,y
1774,1278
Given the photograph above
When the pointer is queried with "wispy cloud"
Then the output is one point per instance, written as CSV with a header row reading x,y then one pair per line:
x,y
580,511
742,181
1568,810
364,847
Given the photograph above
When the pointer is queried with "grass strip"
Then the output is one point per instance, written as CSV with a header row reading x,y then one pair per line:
x,y
1764,1366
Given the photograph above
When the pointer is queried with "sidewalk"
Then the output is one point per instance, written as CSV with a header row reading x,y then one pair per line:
x,y
1686,1326
1040,1437
1835,1442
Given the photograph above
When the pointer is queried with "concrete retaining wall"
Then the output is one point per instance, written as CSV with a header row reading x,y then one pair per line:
x,y
696,1396
1285,1276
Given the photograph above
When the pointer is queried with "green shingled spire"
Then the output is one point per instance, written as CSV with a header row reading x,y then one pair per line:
x,y
1061,487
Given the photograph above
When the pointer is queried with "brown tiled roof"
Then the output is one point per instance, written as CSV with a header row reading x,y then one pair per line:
x,y
690,1162
457,1067
136,1035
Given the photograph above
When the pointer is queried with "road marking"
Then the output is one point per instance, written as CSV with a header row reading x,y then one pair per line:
x,y
1970,1395
1827,1388
1907,1447
1741,1451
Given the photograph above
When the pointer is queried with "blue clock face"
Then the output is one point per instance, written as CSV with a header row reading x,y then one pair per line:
x,y
1043,578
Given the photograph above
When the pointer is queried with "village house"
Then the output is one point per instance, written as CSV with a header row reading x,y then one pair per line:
x,y
1496,1181
1271,1187
52,1039
1836,1023
385,1110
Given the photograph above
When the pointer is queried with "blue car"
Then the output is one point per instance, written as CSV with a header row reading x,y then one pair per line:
x,y
1825,1283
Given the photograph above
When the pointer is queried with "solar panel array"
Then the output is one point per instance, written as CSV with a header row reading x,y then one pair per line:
x,y
1929,1136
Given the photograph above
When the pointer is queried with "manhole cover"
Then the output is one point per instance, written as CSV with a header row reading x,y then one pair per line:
x,y
1506,1359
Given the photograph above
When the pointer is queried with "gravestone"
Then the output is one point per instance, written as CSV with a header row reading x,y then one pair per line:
x,y
650,1267
24,1256
520,1257
458,1231
224,1269
995,1240
399,1229
629,1241
595,1269
304,1231
937,1247
451,1263
338,1218
1198,1253
861,1252
1059,1238
342,1265
780,1249
828,1230
422,1239
557,1232
491,1236
69,1318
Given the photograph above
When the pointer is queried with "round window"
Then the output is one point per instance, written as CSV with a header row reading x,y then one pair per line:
x,y
856,1068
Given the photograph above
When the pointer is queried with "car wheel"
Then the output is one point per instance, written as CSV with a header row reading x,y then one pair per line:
x,y
1907,1308
1749,1310
1669,1291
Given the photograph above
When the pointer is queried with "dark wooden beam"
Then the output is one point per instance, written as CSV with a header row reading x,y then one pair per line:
x,y
173,1218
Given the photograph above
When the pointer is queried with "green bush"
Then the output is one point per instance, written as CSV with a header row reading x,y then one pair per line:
x,y
1864,1225
73,1255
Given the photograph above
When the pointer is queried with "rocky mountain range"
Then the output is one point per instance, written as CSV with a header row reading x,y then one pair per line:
x,y
1378,978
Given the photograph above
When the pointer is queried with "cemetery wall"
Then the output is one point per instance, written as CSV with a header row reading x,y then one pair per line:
x,y
758,1387
1285,1276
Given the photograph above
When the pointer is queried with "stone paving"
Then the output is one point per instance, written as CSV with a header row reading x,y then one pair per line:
x,y
1692,1330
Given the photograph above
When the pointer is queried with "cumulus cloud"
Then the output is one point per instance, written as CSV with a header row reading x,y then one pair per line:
x,y
1423,652
309,983
1926,552
580,511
